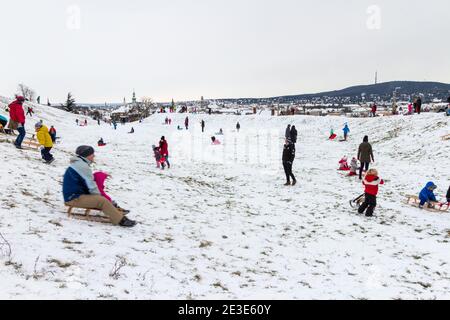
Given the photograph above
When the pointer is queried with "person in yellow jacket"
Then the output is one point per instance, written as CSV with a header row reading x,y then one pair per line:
x,y
45,140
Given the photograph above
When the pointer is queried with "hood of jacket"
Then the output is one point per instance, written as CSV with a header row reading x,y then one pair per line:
x,y
430,184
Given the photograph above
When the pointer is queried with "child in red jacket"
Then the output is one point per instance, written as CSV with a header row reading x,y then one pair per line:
x,y
371,183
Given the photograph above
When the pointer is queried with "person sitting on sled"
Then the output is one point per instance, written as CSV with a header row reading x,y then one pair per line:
x,y
160,160
353,167
100,178
215,141
343,164
370,182
332,134
101,143
427,195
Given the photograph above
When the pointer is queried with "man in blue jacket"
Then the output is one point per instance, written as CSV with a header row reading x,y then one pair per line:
x,y
427,195
81,191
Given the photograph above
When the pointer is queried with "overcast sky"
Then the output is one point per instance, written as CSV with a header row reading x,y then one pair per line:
x,y
184,49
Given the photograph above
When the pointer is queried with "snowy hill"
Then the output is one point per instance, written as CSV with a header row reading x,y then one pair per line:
x,y
220,223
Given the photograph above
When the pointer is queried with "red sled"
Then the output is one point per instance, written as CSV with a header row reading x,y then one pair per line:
x,y
332,137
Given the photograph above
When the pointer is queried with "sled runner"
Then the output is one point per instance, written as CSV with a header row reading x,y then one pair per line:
x,y
435,206
87,216
355,203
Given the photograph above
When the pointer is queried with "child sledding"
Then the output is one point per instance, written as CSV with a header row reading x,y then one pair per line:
x,y
427,199
343,164
100,178
332,135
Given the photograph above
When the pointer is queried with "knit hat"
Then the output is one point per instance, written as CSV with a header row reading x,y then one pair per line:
x,y
84,151
38,125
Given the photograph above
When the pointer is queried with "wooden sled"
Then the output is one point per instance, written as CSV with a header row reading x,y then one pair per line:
x,y
446,137
32,144
87,216
435,206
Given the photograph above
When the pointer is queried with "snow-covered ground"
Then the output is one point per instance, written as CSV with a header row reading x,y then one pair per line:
x,y
220,223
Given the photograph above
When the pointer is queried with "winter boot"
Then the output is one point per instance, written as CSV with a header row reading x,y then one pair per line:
x,y
294,182
127,223
287,183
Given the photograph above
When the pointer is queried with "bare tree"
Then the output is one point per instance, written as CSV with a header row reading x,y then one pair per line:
x,y
147,106
26,92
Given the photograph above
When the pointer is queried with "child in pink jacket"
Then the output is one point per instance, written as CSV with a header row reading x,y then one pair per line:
x,y
100,178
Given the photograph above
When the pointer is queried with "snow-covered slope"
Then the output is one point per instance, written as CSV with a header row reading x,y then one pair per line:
x,y
220,223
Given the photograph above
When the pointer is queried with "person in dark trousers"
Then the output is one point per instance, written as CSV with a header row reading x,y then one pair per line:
x,y
17,120
164,150
52,133
448,193
365,155
238,126
371,182
293,135
346,131
287,134
45,141
288,160
419,105
186,123
203,125
30,111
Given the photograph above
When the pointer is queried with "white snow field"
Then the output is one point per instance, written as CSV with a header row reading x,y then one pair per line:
x,y
220,224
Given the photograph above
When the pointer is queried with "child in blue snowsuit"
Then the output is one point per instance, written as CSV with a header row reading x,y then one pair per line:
x,y
427,195
346,131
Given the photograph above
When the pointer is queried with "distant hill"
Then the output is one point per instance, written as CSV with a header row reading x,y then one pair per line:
x,y
386,88
383,90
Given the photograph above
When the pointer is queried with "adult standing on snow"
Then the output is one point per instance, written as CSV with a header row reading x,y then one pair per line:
x,y
202,123
365,155
288,160
287,133
374,110
17,120
419,105
45,140
186,123
293,134
81,191
238,126
164,150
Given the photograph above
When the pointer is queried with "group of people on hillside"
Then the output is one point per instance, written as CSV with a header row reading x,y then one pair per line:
x,y
288,155
161,154
46,137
